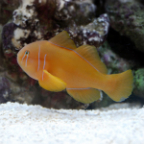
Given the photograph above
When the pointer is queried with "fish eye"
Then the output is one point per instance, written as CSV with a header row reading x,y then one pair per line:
x,y
27,52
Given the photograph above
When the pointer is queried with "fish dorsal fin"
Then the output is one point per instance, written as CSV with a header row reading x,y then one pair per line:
x,y
63,40
90,54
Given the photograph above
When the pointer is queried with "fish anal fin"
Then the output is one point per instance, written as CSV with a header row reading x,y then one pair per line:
x,y
51,83
91,55
84,95
63,40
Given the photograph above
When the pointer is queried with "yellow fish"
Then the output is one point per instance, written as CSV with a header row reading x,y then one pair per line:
x,y
57,65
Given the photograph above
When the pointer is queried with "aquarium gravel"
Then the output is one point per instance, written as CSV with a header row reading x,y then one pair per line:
x,y
23,124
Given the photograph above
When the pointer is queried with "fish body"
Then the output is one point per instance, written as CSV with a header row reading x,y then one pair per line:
x,y
57,64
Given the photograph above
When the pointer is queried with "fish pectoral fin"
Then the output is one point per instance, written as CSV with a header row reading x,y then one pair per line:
x,y
51,82
63,40
84,95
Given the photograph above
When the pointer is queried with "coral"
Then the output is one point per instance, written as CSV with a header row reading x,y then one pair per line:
x,y
93,33
7,36
6,9
60,100
105,102
14,38
114,63
12,91
127,18
82,12
139,83
26,26
4,90
1,34
25,14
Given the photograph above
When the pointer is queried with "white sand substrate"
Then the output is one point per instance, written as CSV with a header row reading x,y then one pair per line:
x,y
23,124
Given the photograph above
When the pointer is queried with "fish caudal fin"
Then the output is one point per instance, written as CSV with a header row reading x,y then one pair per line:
x,y
84,95
119,86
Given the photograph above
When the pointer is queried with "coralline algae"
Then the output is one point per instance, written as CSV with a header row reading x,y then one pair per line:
x,y
127,17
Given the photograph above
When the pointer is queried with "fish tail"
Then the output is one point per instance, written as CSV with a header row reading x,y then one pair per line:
x,y
119,86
